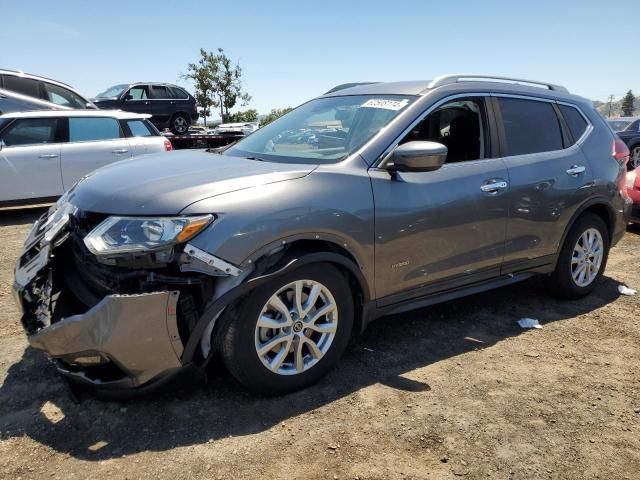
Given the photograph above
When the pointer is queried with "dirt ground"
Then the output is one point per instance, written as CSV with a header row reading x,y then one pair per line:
x,y
454,391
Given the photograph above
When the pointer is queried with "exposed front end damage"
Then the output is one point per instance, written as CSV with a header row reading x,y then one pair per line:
x,y
113,324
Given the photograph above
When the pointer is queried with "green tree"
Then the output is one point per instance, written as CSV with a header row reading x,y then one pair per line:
x,y
250,115
274,114
627,104
228,88
204,73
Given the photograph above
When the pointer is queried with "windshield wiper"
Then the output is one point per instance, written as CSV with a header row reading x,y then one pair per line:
x,y
256,159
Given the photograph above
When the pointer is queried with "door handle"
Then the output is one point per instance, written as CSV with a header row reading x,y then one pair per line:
x,y
575,170
494,186
48,155
119,152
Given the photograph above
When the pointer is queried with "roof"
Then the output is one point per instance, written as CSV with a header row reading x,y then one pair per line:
x,y
118,114
18,73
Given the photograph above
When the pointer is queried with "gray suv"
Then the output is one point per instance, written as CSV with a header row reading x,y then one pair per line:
x,y
369,200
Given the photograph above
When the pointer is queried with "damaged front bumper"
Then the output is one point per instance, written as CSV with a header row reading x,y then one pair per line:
x,y
123,341
136,334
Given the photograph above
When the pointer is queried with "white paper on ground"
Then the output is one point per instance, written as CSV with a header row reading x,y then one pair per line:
x,y
624,290
529,323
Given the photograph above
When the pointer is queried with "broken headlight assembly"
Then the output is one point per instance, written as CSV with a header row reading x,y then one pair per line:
x,y
122,235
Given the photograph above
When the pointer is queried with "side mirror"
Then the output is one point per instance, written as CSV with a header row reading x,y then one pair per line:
x,y
417,157
128,97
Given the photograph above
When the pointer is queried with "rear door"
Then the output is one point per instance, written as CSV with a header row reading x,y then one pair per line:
x,y
162,105
93,142
548,173
30,159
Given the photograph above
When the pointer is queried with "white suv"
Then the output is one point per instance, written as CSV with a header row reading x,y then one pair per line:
x,y
42,154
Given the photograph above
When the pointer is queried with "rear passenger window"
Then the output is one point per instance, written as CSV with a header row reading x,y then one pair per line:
x,y
90,129
64,97
139,128
25,86
575,121
159,92
530,126
30,131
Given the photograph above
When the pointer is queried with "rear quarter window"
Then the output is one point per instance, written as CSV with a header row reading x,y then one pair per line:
x,y
178,93
575,121
25,86
141,128
530,126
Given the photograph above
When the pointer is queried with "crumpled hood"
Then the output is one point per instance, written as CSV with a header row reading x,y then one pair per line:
x,y
164,184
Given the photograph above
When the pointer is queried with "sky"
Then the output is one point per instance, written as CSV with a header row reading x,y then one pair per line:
x,y
291,51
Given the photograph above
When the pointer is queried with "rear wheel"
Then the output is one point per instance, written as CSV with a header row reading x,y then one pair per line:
x,y
179,125
582,259
289,333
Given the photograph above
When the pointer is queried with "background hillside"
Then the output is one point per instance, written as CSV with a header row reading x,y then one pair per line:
x,y
616,110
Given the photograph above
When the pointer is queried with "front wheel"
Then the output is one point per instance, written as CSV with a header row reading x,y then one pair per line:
x,y
582,259
290,332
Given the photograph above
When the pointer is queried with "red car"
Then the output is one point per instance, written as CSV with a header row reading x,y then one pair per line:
x,y
633,190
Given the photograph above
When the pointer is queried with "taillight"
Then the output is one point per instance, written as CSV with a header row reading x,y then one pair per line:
x,y
620,152
167,145
195,108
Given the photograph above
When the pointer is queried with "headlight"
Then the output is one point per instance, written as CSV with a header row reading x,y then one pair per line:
x,y
141,234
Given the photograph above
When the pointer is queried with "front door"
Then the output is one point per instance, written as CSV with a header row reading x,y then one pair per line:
x,y
446,228
30,159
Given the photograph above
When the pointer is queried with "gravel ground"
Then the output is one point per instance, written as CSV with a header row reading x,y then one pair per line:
x,y
454,391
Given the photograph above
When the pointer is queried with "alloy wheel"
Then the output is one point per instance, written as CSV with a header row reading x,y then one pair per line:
x,y
296,327
587,257
180,125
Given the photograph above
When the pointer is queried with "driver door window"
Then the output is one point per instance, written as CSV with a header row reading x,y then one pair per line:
x,y
460,125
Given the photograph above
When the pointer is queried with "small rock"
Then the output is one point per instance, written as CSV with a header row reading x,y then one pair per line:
x,y
636,410
532,354
591,440
333,447
97,446
444,459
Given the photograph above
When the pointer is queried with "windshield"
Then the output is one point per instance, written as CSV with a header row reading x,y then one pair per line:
x,y
619,125
114,91
324,130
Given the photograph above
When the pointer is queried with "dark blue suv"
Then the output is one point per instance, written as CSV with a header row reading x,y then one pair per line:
x,y
170,106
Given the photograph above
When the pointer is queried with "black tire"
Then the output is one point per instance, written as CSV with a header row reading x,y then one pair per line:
x,y
179,124
562,282
238,347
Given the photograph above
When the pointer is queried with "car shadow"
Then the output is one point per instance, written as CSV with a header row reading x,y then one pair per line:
x,y
20,216
35,402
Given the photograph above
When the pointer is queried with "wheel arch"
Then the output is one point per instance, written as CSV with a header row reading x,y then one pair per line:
x,y
274,263
598,206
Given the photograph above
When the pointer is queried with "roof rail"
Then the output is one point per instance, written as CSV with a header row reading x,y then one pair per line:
x,y
457,78
347,85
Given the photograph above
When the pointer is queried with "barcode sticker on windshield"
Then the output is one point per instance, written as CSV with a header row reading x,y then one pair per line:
x,y
386,104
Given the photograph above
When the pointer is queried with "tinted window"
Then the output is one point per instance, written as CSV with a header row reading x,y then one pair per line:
x,y
25,86
459,125
178,93
64,97
30,131
138,93
88,129
575,121
140,128
529,126
159,92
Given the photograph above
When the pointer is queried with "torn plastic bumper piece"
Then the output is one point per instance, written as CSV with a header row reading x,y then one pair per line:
x,y
137,334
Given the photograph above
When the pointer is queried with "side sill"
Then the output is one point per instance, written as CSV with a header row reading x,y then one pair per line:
x,y
416,303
